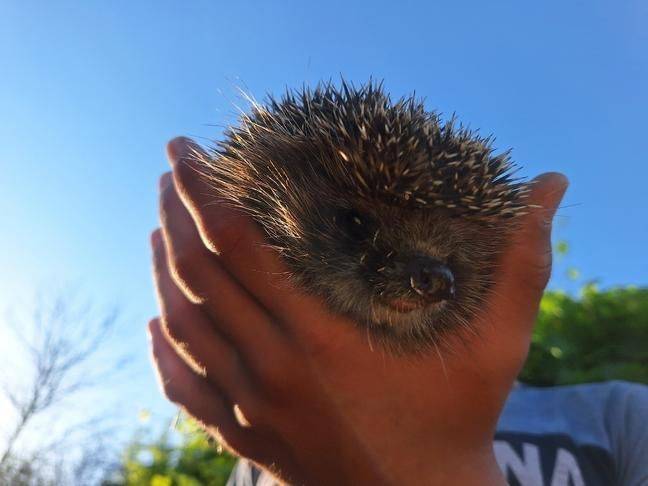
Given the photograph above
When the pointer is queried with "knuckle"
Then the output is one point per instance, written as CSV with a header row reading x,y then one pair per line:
x,y
235,440
188,277
536,273
249,412
171,391
239,440
542,270
184,265
224,234
174,330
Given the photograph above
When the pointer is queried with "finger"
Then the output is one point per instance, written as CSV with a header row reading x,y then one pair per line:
x,y
526,265
203,280
210,408
197,396
233,236
194,338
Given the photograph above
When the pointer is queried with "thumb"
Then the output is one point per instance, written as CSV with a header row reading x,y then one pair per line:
x,y
526,265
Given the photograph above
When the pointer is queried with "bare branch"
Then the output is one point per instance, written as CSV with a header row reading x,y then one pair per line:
x,y
60,340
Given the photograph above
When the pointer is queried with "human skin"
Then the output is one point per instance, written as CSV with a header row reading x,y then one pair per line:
x,y
316,403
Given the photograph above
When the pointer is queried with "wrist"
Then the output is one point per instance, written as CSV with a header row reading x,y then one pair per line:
x,y
466,467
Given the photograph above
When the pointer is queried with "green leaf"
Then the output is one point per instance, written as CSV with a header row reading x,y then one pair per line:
x,y
562,248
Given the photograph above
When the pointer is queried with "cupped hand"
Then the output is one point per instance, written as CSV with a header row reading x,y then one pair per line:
x,y
302,392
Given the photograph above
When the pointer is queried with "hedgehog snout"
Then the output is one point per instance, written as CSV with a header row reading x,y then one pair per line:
x,y
430,278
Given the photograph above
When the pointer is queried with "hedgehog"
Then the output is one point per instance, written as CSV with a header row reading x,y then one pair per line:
x,y
392,216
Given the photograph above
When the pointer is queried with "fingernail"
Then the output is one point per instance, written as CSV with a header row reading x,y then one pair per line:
x,y
165,180
178,148
554,185
156,238
559,183
562,183
150,328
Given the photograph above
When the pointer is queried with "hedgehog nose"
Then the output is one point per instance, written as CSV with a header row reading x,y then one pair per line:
x,y
431,279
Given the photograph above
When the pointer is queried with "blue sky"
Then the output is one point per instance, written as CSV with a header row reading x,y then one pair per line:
x,y
91,91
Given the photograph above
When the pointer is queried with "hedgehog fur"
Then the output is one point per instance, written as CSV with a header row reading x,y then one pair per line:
x,y
366,198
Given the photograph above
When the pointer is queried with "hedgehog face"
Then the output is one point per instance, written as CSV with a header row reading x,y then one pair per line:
x,y
402,272
403,266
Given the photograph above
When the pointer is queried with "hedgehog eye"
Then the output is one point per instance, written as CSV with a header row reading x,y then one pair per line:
x,y
356,225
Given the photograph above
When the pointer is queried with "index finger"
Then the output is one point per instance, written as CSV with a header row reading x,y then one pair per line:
x,y
234,236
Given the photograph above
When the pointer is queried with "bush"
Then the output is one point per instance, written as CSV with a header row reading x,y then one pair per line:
x,y
599,336
193,461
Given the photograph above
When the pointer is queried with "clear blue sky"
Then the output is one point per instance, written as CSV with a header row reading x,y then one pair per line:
x,y
91,91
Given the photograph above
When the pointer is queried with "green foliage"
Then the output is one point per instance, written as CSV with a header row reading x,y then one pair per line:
x,y
602,335
561,248
193,461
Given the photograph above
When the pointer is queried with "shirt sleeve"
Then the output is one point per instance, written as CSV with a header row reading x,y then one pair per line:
x,y
627,423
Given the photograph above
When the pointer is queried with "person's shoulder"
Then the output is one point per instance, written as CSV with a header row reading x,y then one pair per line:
x,y
626,414
601,396
599,427
625,393
599,389
572,406
626,408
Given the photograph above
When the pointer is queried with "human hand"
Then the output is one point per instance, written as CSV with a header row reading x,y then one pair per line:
x,y
315,403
